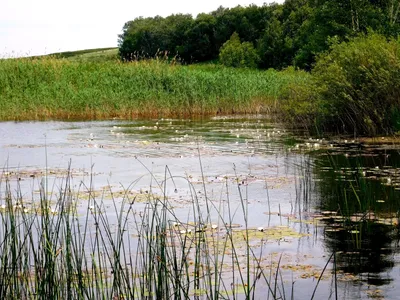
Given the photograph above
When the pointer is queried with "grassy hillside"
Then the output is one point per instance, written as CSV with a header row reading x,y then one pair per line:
x,y
93,55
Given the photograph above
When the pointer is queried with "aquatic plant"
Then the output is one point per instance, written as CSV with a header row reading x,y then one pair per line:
x,y
52,247
52,88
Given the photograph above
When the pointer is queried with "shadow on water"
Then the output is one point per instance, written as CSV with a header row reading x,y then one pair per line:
x,y
359,196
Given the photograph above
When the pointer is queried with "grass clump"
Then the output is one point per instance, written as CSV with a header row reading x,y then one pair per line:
x,y
51,88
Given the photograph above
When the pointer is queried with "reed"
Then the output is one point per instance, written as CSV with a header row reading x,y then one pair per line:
x,y
53,88
50,248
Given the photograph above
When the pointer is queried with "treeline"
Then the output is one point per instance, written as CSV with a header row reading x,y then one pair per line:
x,y
277,35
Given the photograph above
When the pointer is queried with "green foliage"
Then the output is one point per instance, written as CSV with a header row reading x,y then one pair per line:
x,y
200,40
146,37
236,54
272,46
50,88
292,33
335,18
360,83
192,40
354,88
299,102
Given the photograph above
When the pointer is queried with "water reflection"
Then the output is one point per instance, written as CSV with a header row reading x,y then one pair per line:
x,y
286,180
358,189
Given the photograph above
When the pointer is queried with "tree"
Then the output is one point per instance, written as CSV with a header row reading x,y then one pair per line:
x,y
141,38
335,19
201,43
236,54
271,47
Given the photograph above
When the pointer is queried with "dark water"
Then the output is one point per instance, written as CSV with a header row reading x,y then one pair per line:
x,y
341,198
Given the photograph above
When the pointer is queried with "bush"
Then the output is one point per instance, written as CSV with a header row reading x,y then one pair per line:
x,y
299,101
354,88
236,54
359,82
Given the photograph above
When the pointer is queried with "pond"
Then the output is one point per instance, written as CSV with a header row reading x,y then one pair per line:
x,y
324,212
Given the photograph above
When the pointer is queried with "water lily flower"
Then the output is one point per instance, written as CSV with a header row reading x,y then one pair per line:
x,y
176,224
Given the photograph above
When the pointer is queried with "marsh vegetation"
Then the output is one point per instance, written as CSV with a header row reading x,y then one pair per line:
x,y
51,88
181,185
220,208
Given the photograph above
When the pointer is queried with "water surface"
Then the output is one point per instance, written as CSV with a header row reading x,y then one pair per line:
x,y
339,196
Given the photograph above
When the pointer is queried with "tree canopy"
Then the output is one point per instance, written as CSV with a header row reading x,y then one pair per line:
x,y
292,33
236,54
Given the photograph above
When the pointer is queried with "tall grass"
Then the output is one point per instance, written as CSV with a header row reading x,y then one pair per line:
x,y
51,88
54,250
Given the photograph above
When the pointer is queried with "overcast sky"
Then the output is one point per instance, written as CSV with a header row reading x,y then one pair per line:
x,y
32,27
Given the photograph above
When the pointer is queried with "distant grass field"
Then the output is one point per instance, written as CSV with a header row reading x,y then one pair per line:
x,y
93,84
94,55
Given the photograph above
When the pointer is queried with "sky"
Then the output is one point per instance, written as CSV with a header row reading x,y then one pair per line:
x,y
36,27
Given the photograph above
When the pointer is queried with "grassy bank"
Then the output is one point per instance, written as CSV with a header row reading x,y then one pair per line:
x,y
51,88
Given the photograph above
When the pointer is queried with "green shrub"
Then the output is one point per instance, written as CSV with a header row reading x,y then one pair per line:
x,y
353,88
359,82
299,101
236,54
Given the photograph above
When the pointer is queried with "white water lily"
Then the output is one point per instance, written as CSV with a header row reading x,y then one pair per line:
x,y
17,206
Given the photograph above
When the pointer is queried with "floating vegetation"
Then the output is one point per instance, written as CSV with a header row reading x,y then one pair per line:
x,y
232,232
149,254
37,174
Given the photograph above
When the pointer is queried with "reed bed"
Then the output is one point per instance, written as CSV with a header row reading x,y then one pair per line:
x,y
50,249
53,88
